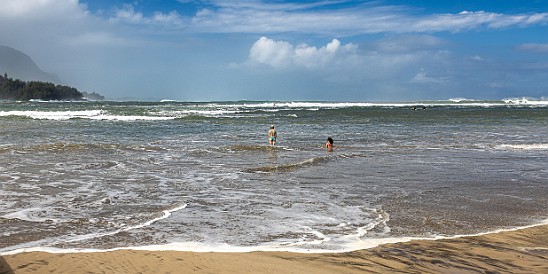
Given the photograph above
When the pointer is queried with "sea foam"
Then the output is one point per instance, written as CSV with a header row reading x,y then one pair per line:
x,y
226,248
524,146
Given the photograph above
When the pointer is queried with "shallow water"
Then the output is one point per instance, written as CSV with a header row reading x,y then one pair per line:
x,y
119,174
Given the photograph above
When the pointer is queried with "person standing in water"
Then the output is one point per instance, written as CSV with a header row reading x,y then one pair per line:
x,y
272,135
329,144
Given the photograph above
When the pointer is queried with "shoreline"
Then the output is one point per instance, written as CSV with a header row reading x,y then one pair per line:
x,y
511,251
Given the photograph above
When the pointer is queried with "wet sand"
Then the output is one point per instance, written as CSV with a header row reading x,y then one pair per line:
x,y
521,251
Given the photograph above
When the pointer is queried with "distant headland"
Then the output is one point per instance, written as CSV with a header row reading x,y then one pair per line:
x,y
27,81
15,89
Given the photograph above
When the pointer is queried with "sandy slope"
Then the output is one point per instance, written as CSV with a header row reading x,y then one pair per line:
x,y
522,251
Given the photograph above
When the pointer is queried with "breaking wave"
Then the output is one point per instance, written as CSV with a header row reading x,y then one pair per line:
x,y
176,110
525,146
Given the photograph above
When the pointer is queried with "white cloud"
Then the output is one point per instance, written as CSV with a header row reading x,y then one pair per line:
x,y
171,18
543,48
45,23
423,78
257,17
280,54
454,22
260,17
34,10
407,43
274,53
59,26
337,63
220,16
476,58
128,14
97,38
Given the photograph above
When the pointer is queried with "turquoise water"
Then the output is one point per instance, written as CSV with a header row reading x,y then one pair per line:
x,y
106,175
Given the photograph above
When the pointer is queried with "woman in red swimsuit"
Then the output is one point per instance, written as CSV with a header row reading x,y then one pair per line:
x,y
329,144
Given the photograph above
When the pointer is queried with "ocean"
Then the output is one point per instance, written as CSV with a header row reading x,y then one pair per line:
x,y
201,176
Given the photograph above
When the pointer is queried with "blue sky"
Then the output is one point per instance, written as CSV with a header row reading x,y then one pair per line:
x,y
286,50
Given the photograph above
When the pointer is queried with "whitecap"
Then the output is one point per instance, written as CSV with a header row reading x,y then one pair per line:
x,y
524,146
53,115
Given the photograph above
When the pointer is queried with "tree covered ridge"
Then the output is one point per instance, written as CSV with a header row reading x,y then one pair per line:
x,y
15,89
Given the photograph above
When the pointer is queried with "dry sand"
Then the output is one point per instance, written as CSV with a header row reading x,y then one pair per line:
x,y
522,251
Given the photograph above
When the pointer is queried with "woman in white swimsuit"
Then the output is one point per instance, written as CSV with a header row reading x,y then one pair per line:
x,y
272,135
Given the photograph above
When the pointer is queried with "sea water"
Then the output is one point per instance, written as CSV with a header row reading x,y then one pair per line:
x,y
202,177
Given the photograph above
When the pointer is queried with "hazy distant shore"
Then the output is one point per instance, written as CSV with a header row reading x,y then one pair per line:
x,y
520,251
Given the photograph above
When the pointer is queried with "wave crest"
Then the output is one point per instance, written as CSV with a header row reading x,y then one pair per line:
x,y
525,146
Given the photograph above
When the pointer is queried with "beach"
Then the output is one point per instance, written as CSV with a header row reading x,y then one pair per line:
x,y
520,251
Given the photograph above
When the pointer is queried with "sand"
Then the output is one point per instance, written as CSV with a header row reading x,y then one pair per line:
x,y
521,251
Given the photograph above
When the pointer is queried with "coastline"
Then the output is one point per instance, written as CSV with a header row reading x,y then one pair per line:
x,y
517,251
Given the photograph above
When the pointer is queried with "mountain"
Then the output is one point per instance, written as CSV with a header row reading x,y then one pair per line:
x,y
19,65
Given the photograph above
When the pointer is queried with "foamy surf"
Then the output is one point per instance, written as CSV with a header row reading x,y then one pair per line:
x,y
164,214
88,182
85,114
177,110
524,146
23,215
226,248
54,115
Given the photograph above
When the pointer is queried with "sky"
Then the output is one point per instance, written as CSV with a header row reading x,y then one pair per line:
x,y
331,50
